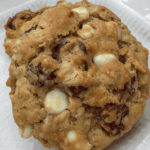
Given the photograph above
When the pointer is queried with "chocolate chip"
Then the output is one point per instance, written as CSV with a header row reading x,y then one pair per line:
x,y
77,91
128,87
33,28
121,43
56,49
83,48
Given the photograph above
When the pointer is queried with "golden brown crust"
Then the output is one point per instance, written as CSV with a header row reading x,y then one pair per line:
x,y
89,56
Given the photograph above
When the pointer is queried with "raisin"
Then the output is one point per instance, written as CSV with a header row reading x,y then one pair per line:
x,y
55,52
12,26
122,59
33,69
51,76
77,91
26,16
85,66
128,87
42,49
133,80
39,83
41,11
112,128
38,75
56,49
121,43
33,28
74,45
63,43
125,110
10,23
23,16
29,18
16,64
83,48
72,119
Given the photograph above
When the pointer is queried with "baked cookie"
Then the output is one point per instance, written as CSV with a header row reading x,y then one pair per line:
x,y
13,27
79,80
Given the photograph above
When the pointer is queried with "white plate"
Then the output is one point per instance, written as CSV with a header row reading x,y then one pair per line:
x,y
141,6
9,136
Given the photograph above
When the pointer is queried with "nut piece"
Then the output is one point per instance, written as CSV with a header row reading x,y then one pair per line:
x,y
103,58
82,11
55,101
25,133
86,32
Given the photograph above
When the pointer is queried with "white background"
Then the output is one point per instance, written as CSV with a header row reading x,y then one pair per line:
x,y
141,6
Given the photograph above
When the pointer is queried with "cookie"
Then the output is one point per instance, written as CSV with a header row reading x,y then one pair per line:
x,y
78,78
13,26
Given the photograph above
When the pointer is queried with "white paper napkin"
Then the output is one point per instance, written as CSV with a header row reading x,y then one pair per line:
x,y
9,136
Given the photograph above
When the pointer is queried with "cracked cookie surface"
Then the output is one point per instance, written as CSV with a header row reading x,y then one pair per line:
x,y
78,78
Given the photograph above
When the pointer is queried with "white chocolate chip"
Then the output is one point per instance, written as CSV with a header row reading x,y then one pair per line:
x,y
18,42
62,3
25,133
46,120
8,40
90,145
78,141
86,32
82,11
56,101
103,58
71,136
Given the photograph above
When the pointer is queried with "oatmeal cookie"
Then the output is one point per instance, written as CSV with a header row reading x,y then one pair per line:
x,y
79,80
